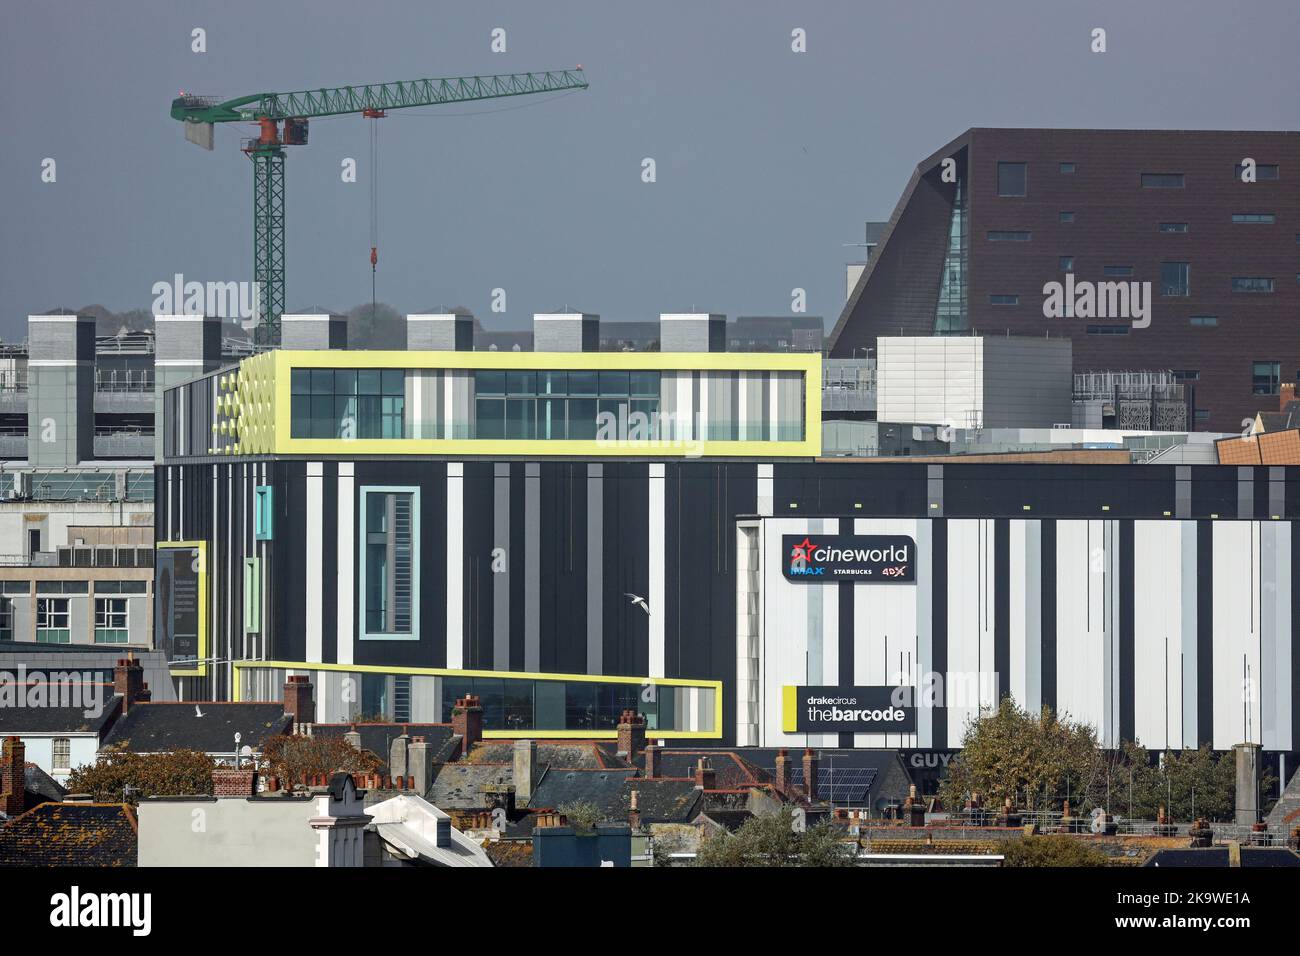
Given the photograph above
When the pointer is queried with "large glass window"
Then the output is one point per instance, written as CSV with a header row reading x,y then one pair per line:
x,y
53,621
521,405
1265,378
348,403
111,621
1175,278
1011,179
390,562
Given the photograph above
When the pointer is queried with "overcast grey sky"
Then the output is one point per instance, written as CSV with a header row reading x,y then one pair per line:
x,y
768,161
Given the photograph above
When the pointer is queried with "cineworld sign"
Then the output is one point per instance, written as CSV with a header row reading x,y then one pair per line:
x,y
822,558
857,710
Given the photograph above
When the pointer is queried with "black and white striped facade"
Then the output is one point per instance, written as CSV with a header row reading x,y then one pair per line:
x,y
1153,601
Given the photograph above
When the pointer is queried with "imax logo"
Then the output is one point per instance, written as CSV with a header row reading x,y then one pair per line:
x,y
1098,300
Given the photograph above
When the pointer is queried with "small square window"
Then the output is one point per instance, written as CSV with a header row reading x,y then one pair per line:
x,y
1117,272
61,753
1175,278
1173,227
1067,167
1162,180
1067,217
1067,263
262,513
1004,299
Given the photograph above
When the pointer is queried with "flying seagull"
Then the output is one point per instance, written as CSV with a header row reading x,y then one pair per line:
x,y
637,599
197,711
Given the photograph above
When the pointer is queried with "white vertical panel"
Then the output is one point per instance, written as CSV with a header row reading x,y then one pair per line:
x,y
968,683
784,633
315,586
1276,693
1081,659
656,558
1158,634
346,561
1236,633
455,562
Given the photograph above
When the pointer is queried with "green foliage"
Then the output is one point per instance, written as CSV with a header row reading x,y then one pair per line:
x,y
1032,758
1051,851
121,776
773,841
582,815
1040,761
294,758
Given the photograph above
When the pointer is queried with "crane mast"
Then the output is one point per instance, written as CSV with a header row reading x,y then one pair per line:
x,y
282,120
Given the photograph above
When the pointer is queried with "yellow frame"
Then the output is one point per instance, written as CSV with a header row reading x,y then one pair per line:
x,y
715,685
201,670
279,364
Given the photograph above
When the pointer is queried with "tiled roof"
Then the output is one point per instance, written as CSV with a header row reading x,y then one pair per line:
x,y
602,788
40,786
661,801
206,726
70,834
459,786
731,771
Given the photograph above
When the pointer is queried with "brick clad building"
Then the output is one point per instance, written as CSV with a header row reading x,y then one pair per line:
x,y
972,243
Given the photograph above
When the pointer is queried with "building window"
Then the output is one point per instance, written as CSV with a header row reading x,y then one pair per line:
x,y
1006,235
111,621
1004,299
1066,263
53,621
1262,172
1173,227
1186,375
1108,330
262,513
1252,284
1248,217
1162,180
1205,321
1175,278
524,405
61,752
1067,167
6,618
1067,217
348,403
1265,377
1011,179
1117,272
390,563
1202,414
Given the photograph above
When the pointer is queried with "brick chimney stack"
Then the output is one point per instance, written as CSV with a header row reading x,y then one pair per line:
x,y
1285,395
651,762
467,722
810,773
706,778
13,776
300,701
631,735
634,811
228,782
782,781
128,682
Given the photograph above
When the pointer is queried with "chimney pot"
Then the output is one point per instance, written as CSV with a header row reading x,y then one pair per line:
x,y
810,773
299,701
706,778
467,722
631,735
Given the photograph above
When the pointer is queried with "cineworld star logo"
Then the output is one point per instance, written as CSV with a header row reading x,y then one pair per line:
x,y
800,555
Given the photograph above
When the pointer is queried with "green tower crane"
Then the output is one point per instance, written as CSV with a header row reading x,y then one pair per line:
x,y
283,117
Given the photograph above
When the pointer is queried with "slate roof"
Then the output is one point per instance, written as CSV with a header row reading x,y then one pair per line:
x,y
570,754
459,786
160,728
603,788
1217,856
40,786
661,801
378,738
16,721
731,771
70,834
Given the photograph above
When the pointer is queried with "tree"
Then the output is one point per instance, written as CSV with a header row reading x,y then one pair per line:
x,y
295,758
1033,759
122,776
1051,851
773,841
